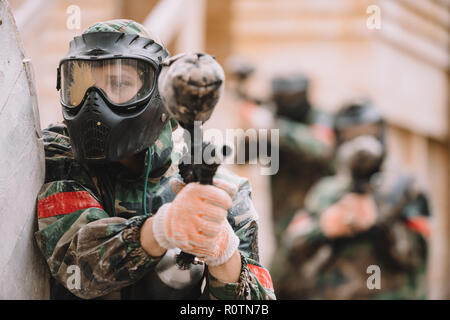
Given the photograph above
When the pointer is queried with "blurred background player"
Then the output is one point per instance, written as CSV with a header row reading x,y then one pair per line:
x,y
365,215
306,144
305,147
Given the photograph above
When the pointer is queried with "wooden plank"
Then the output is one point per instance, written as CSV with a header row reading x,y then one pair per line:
x,y
410,93
23,270
218,36
439,266
433,11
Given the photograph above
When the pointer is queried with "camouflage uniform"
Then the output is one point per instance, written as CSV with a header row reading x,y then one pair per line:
x,y
91,218
322,268
304,157
123,25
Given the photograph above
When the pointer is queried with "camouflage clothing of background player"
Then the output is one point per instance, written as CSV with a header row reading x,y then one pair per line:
x,y
93,205
306,140
354,222
306,144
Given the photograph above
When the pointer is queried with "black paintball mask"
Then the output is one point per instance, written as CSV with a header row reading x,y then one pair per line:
x,y
360,133
109,95
290,95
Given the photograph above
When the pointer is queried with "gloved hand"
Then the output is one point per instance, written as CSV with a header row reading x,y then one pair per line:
x,y
196,223
256,117
351,214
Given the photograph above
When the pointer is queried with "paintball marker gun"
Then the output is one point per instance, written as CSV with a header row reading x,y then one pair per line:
x,y
190,87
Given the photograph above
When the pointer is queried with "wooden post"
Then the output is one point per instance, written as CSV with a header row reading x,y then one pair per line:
x,y
218,29
136,10
23,270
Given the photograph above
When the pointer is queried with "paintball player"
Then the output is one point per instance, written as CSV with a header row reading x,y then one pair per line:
x,y
241,74
305,148
240,71
362,233
114,206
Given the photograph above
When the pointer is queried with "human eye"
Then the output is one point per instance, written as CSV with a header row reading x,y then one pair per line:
x,y
119,83
122,84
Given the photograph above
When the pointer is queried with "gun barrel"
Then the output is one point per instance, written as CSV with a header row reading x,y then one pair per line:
x,y
190,86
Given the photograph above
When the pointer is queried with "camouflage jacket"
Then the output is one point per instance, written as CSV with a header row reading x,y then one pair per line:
x,y
315,267
305,156
90,218
312,140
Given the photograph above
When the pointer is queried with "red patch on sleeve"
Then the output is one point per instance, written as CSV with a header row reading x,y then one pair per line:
x,y
323,133
419,224
262,275
298,220
66,202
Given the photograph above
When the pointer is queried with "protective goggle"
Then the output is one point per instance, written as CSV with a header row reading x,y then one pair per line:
x,y
289,98
372,129
124,81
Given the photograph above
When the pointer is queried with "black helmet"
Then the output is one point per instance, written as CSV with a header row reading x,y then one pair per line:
x,y
290,95
108,91
239,67
360,114
360,131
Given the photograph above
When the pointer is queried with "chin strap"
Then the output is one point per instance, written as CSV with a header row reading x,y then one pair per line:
x,y
147,172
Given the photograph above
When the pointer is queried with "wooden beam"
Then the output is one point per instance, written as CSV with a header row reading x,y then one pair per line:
x,y
218,39
137,10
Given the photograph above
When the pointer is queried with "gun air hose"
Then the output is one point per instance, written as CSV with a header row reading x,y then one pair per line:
x,y
147,173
